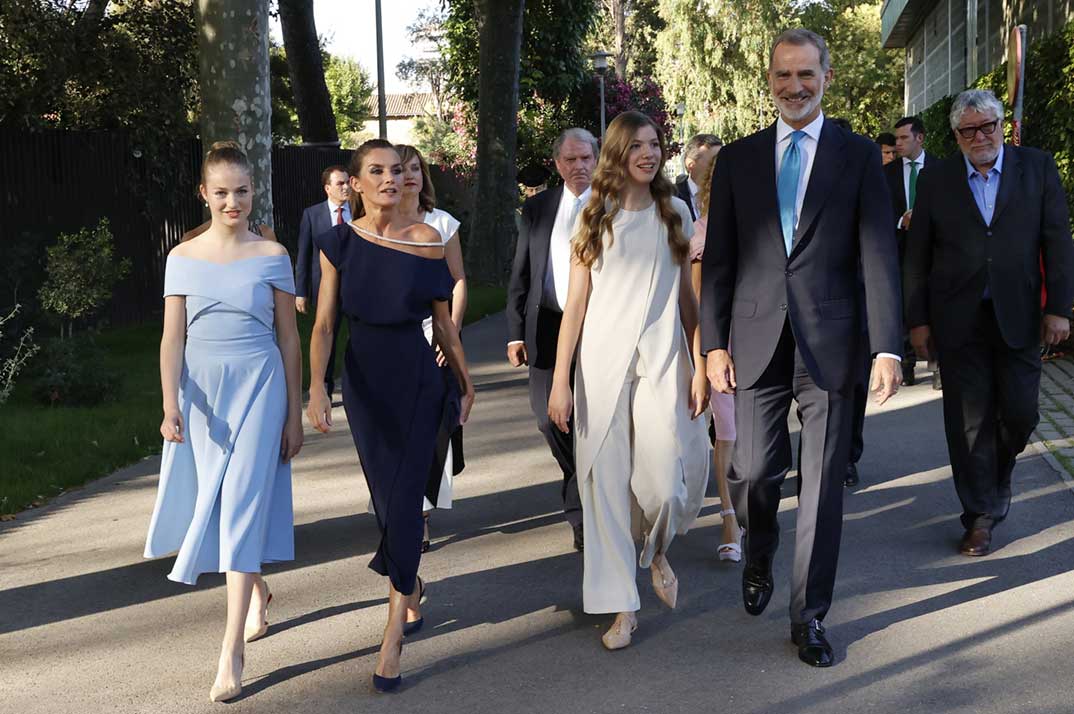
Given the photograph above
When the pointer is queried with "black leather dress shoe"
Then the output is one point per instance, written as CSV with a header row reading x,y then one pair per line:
x,y
908,377
579,539
756,586
813,647
851,479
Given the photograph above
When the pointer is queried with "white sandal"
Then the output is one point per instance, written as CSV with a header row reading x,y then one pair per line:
x,y
730,551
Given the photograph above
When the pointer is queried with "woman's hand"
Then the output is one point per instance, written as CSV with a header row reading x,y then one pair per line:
x,y
172,426
466,404
441,358
560,405
699,393
319,409
291,441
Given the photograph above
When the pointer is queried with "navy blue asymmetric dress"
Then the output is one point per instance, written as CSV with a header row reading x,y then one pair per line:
x,y
395,396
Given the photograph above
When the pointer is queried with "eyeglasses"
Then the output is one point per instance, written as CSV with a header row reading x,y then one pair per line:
x,y
968,132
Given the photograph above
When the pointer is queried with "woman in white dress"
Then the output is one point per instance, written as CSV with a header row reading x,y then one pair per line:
x,y
419,202
641,453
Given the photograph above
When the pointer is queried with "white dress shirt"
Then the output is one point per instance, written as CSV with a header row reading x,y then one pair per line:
x,y
557,271
332,212
920,161
807,146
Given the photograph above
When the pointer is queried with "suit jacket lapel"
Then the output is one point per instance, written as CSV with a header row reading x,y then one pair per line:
x,y
1009,180
827,166
961,181
768,191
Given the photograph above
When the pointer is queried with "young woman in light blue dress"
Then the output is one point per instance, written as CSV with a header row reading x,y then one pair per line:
x,y
231,376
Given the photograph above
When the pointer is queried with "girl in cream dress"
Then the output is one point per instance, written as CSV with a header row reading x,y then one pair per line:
x,y
641,452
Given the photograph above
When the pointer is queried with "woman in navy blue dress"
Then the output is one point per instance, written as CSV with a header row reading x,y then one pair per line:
x,y
389,274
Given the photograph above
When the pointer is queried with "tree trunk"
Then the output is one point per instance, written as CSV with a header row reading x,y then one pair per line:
x,y
91,18
619,15
236,103
316,120
494,229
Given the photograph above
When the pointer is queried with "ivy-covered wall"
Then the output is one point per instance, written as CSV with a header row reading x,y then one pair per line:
x,y
1048,107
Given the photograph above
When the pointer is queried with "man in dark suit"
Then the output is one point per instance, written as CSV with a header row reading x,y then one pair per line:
x,y
902,175
886,141
797,209
983,223
318,219
537,294
698,156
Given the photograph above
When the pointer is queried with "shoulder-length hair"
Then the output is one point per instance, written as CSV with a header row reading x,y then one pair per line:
x,y
610,177
427,196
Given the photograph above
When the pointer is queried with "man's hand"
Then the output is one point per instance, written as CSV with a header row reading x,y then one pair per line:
x,y
720,369
887,376
1054,329
921,339
300,305
516,354
904,222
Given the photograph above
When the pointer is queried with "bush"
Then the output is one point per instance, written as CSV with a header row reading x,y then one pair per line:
x,y
70,372
82,271
12,360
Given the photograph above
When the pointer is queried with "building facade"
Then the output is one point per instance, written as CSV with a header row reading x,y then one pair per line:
x,y
949,44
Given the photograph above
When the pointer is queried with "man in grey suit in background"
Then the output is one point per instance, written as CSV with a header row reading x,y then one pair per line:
x,y
538,291
797,210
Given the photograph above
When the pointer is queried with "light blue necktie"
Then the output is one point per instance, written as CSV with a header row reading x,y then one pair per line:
x,y
787,188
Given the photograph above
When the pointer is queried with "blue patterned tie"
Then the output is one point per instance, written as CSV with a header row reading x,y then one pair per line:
x,y
787,188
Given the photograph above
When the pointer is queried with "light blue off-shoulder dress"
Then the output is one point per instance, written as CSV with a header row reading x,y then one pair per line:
x,y
224,498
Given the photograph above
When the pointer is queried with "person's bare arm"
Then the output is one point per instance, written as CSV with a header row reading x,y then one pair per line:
x,y
291,351
688,313
319,408
561,400
172,346
446,335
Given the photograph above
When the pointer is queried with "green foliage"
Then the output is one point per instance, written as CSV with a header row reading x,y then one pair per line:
x,y
1048,106
13,359
285,128
429,72
553,67
438,141
72,372
713,56
82,270
350,89
137,69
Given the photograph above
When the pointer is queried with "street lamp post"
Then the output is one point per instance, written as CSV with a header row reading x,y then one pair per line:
x,y
600,63
680,111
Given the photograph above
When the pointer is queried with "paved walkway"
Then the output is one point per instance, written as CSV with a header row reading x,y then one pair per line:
x,y
87,625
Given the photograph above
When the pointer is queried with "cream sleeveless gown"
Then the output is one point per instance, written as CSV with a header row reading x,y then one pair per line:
x,y
642,461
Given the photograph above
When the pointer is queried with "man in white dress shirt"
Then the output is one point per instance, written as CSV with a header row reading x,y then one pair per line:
x,y
902,175
537,294
698,156
317,219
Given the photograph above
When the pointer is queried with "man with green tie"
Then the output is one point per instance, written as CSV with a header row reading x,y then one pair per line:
x,y
902,176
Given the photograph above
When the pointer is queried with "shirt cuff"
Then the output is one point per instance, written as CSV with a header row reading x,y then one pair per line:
x,y
516,342
897,358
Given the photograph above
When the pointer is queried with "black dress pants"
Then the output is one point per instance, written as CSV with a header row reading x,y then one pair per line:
x,y
542,366
990,394
762,457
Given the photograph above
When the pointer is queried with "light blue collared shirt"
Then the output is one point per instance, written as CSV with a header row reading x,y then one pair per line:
x,y
985,189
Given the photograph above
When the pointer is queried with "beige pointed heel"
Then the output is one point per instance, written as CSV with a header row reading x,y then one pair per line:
x,y
223,694
619,635
255,633
665,584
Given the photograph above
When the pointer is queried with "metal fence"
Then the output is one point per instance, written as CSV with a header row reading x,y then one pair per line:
x,y
60,181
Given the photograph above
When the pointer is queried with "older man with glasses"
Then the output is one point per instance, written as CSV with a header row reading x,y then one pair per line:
x,y
983,223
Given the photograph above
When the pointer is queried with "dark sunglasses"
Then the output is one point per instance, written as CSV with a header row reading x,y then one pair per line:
x,y
968,132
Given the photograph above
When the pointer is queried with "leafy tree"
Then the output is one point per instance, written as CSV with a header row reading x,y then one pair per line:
x,y
284,115
430,71
350,88
628,28
307,69
13,359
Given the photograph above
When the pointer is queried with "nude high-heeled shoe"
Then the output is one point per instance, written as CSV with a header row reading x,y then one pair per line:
x,y
223,694
255,633
665,584
618,636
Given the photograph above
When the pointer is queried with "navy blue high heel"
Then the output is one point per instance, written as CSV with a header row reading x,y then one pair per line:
x,y
387,685
410,628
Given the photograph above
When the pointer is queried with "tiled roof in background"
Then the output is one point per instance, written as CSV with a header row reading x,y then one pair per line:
x,y
401,106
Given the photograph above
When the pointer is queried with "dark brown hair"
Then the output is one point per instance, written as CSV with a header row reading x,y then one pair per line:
x,y
427,196
608,181
224,152
354,168
326,175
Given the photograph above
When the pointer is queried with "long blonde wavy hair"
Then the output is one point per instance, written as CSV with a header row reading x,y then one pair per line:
x,y
609,178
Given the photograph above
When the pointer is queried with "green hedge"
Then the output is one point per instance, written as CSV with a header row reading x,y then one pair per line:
x,y
1048,107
